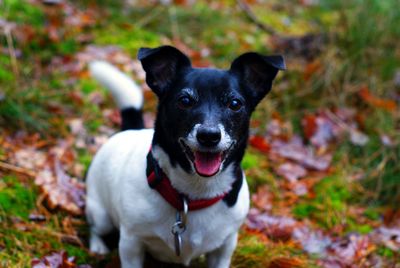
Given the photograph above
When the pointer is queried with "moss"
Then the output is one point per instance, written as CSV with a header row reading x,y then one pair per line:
x,y
249,161
385,252
6,74
372,213
85,158
329,206
16,199
130,40
255,251
23,12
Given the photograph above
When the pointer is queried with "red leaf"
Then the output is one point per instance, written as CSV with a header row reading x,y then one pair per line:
x,y
286,262
309,125
311,69
369,98
260,143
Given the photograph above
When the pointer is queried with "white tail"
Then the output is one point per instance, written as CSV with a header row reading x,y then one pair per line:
x,y
124,90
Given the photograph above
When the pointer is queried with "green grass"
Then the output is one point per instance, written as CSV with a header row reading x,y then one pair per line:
x,y
329,206
15,198
252,251
22,13
361,49
21,239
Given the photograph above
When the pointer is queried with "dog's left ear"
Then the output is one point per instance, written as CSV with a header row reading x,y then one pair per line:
x,y
162,65
256,72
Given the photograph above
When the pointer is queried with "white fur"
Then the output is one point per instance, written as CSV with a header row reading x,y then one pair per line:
x,y
118,195
124,90
194,185
224,144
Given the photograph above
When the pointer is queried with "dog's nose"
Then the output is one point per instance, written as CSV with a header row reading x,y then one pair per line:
x,y
208,136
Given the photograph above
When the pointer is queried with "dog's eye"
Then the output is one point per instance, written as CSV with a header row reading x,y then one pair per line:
x,y
235,104
185,102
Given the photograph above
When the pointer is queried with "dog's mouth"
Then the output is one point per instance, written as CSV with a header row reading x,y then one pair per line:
x,y
206,163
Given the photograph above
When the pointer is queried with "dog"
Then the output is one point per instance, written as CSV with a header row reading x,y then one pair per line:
x,y
177,192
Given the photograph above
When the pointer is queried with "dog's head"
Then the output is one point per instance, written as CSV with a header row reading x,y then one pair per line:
x,y
203,114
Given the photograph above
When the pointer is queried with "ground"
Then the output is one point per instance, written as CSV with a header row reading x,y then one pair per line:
x,y
323,157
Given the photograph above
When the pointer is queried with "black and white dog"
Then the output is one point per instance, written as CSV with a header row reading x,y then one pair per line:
x,y
178,191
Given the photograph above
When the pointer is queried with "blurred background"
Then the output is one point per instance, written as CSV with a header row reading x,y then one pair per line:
x,y
323,161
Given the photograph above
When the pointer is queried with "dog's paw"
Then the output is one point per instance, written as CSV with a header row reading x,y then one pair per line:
x,y
97,245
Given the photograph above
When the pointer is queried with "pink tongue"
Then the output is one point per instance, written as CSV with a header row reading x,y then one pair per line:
x,y
207,164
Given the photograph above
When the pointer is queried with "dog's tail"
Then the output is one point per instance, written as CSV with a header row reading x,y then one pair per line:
x,y
125,91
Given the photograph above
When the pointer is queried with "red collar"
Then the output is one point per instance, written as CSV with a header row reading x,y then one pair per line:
x,y
158,181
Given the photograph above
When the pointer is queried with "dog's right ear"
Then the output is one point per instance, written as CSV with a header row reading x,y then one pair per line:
x,y
162,66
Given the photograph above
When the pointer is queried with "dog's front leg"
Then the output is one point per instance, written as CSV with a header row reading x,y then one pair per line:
x,y
131,250
221,257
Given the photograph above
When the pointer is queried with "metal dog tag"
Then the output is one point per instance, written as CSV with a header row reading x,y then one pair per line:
x,y
178,244
179,227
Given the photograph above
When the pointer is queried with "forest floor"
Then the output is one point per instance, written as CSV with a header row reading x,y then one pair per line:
x,y
323,162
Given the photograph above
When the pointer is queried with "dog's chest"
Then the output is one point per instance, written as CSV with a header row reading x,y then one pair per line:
x,y
206,230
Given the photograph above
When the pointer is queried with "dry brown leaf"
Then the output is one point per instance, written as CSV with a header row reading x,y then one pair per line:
x,y
58,259
60,189
286,262
291,171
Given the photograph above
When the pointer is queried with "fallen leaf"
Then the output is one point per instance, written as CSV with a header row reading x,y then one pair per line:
x,y
358,138
319,130
387,140
308,46
376,102
311,68
292,172
37,217
286,262
60,189
276,228
58,259
29,158
350,250
259,143
389,237
263,198
295,150
313,242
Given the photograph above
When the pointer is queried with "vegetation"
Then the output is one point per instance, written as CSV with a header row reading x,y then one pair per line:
x,y
338,99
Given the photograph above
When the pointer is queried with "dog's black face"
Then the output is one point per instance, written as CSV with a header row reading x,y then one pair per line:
x,y
203,114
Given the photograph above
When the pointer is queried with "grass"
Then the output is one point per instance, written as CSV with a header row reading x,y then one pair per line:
x,y
255,251
22,239
329,206
361,49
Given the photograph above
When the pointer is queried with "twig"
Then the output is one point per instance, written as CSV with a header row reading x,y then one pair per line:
x,y
11,51
39,204
155,12
7,166
250,14
174,23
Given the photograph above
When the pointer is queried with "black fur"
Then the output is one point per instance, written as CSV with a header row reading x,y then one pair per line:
x,y
170,75
131,119
211,91
231,198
